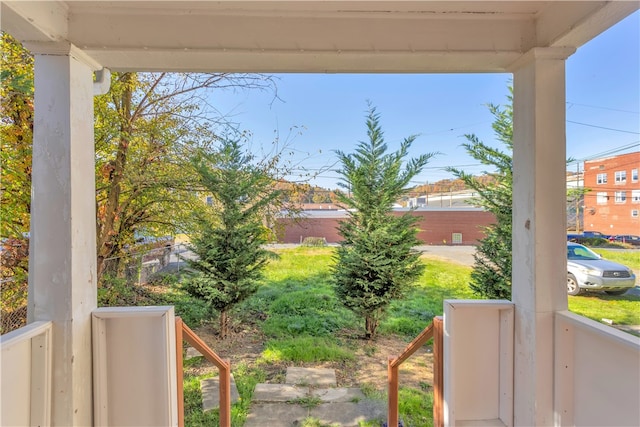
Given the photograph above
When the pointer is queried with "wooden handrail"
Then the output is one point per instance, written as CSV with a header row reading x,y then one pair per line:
x,y
434,330
224,367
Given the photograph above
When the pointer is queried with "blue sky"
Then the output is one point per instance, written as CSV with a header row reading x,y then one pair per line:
x,y
316,114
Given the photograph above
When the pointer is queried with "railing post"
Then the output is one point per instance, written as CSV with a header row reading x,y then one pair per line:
x,y
224,367
225,395
392,413
438,372
180,372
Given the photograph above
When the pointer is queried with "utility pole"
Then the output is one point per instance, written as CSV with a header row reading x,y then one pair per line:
x,y
578,197
426,201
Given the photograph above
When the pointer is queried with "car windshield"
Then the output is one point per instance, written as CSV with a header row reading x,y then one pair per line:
x,y
576,252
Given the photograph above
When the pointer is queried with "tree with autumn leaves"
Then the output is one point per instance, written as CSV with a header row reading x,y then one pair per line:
x,y
147,127
16,135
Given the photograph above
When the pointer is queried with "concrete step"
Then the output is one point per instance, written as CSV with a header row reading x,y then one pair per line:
x,y
344,414
287,393
270,393
320,377
311,393
210,388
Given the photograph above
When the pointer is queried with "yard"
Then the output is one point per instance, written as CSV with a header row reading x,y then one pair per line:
x,y
295,319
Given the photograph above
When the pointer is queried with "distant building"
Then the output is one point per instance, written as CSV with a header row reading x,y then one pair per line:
x,y
437,226
450,199
613,203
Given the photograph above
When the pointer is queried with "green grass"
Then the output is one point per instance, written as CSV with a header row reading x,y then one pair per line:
x,y
299,298
441,280
306,349
415,407
629,258
298,312
623,309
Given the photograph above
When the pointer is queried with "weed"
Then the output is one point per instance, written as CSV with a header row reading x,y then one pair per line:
x,y
306,402
314,241
370,350
415,407
116,292
315,422
371,392
371,423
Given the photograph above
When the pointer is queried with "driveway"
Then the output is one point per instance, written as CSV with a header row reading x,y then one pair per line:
x,y
459,254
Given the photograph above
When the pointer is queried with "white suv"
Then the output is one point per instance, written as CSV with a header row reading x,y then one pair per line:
x,y
589,271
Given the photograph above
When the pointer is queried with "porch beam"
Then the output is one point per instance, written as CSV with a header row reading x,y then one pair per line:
x,y
62,259
539,227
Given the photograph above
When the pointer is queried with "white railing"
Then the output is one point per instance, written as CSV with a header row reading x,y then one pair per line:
x,y
26,376
597,379
478,362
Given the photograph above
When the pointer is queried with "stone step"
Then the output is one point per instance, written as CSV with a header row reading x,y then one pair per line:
x,y
319,377
210,388
275,415
338,395
349,414
309,393
287,393
344,414
269,393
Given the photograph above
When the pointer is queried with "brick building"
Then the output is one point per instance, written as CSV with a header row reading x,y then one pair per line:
x,y
612,206
437,226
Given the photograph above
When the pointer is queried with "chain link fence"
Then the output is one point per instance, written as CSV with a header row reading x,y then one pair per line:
x,y
139,266
12,320
14,262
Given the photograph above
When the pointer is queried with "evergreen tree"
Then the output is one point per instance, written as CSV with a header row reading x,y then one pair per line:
x,y
375,263
230,255
491,275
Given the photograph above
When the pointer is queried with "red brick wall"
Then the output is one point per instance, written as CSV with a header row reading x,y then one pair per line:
x,y
611,217
436,227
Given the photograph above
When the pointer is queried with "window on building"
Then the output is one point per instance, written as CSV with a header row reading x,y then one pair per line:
x,y
634,175
634,213
635,196
602,178
621,196
601,198
621,177
209,200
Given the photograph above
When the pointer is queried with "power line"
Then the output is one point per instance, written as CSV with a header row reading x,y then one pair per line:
x,y
608,152
571,104
603,127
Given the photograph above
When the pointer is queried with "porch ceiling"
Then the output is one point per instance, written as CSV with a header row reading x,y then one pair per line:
x,y
311,36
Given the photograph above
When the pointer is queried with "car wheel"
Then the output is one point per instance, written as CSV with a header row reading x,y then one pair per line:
x,y
618,292
572,285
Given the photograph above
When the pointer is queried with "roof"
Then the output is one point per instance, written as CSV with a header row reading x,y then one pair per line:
x,y
309,36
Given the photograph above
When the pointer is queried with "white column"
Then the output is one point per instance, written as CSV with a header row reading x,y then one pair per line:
x,y
539,228
62,259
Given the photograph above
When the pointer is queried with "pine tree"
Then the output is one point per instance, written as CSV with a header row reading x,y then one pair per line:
x,y
375,263
491,275
230,255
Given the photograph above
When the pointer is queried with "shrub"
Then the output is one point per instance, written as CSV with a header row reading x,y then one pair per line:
x,y
314,241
